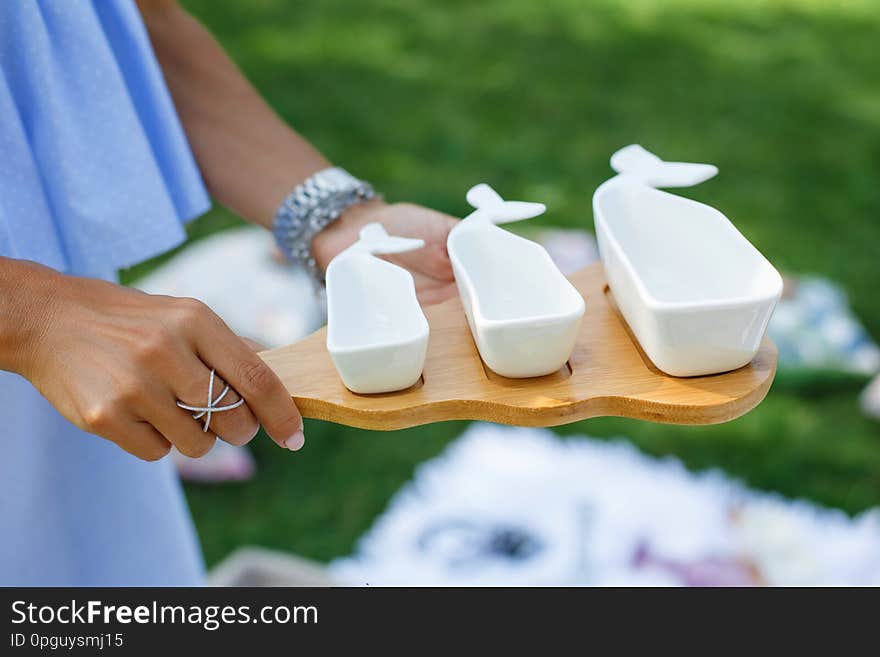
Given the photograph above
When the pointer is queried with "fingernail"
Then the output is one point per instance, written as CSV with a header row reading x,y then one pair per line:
x,y
296,441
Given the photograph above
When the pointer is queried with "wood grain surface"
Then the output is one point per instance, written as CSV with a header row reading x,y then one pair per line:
x,y
608,374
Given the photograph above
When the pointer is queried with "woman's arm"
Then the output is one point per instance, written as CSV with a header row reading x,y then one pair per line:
x,y
251,159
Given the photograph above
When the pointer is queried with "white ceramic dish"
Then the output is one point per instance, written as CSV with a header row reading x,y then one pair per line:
x,y
694,291
523,313
377,334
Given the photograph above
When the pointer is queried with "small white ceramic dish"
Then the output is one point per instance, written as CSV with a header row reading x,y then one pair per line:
x,y
523,313
377,334
694,291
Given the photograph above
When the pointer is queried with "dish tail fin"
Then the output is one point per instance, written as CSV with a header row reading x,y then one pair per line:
x,y
376,240
636,162
492,207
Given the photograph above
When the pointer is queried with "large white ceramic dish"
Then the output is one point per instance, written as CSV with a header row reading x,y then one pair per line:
x,y
377,334
694,291
523,313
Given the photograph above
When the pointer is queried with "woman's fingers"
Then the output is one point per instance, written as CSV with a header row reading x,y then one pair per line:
x,y
249,376
176,425
138,410
175,373
408,220
430,291
265,394
116,422
236,426
142,440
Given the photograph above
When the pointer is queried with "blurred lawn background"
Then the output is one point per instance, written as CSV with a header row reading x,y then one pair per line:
x,y
425,98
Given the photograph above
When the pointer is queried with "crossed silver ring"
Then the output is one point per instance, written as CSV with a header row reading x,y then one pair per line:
x,y
211,408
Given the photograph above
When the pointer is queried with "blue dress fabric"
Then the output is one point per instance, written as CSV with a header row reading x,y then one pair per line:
x,y
95,175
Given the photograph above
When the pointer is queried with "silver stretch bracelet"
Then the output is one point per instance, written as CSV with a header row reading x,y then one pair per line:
x,y
310,208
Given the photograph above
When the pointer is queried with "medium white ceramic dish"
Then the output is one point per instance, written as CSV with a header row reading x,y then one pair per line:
x,y
377,334
523,313
694,291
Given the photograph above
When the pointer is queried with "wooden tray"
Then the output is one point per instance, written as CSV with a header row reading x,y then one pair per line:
x,y
607,375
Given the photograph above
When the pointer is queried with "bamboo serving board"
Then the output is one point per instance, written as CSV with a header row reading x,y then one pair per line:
x,y
608,374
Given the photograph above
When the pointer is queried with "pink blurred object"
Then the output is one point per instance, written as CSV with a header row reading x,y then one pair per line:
x,y
705,571
223,463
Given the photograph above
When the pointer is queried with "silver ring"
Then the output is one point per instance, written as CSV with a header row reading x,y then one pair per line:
x,y
211,408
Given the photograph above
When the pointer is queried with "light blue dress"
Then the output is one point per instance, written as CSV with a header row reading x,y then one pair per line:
x,y
95,174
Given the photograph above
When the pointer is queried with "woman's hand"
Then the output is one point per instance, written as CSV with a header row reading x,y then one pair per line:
x,y
429,266
114,361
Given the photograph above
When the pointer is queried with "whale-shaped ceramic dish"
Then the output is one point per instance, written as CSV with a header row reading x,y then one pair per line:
x,y
694,291
377,334
523,313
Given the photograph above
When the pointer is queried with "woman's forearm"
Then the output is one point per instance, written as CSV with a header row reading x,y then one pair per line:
x,y
251,160
249,157
26,291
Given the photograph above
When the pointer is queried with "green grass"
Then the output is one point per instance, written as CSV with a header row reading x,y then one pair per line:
x,y
424,98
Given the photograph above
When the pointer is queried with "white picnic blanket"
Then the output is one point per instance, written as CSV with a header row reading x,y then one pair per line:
x,y
234,273
515,506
